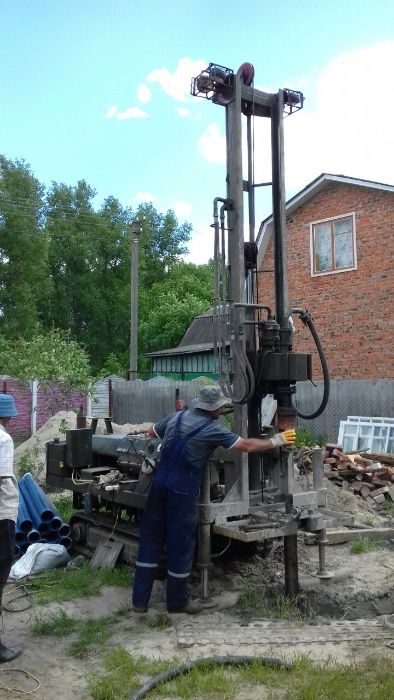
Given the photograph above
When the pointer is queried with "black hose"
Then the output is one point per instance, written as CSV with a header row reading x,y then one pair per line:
x,y
306,318
188,665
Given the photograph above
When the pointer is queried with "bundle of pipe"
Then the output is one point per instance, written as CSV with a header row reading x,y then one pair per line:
x,y
38,519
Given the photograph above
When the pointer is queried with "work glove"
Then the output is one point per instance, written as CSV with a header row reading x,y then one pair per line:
x,y
287,438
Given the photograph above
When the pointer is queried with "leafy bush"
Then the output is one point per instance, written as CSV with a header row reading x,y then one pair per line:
x,y
304,438
28,463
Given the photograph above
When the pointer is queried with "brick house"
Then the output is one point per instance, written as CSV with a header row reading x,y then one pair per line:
x,y
340,267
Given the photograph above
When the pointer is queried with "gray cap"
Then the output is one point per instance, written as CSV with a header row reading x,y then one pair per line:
x,y
210,398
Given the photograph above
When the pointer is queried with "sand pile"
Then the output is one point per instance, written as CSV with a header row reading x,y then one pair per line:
x,y
30,455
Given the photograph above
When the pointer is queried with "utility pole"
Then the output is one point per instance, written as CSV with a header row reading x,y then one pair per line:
x,y
135,230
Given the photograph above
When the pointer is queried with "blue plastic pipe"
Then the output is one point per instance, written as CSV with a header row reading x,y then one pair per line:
x,y
23,523
51,536
20,537
34,514
64,530
33,536
46,524
55,523
34,496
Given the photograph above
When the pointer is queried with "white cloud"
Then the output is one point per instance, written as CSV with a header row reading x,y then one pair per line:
x,y
200,246
177,84
144,93
344,128
130,113
182,209
111,112
142,197
183,112
212,144
348,130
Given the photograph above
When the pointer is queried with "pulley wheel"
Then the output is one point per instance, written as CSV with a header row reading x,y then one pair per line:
x,y
247,73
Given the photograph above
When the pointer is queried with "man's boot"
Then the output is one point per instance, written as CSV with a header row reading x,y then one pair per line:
x,y
9,653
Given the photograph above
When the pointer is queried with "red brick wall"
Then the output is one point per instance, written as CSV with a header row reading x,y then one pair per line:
x,y
50,400
352,311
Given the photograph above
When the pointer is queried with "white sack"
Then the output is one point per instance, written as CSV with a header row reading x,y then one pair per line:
x,y
39,557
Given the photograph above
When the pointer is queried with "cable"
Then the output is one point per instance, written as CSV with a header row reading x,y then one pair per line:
x,y
189,665
19,690
25,594
306,318
219,554
80,481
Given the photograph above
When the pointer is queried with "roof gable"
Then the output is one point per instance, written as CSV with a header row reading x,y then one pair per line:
x,y
304,195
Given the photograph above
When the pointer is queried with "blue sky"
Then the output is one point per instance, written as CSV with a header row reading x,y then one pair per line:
x,y
99,89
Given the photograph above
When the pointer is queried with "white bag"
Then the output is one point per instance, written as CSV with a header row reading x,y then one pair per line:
x,y
39,557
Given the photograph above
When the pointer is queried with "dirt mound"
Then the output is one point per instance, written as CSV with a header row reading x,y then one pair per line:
x,y
30,455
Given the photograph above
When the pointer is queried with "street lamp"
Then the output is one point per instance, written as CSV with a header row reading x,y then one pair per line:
x,y
135,230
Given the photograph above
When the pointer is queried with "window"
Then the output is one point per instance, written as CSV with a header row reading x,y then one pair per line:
x,y
333,245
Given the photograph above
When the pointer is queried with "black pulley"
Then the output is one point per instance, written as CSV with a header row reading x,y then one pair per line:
x,y
250,255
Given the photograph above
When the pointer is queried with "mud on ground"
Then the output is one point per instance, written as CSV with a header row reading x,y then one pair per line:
x,y
353,616
353,613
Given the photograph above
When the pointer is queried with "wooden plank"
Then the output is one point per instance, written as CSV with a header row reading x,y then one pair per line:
x,y
376,533
385,457
106,554
228,530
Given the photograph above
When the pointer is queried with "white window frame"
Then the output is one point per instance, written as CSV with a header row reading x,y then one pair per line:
x,y
315,273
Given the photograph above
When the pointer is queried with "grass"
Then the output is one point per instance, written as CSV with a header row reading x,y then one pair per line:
x,y
123,674
58,585
91,632
371,679
56,625
278,607
365,544
388,507
160,622
65,507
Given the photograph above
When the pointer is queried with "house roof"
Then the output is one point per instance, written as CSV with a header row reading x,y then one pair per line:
x,y
181,350
198,338
305,195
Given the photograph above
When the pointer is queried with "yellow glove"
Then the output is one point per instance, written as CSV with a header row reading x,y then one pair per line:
x,y
288,437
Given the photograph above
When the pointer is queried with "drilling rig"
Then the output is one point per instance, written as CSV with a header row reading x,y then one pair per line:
x,y
253,344
247,499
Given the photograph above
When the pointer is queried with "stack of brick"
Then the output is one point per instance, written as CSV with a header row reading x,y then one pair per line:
x,y
370,477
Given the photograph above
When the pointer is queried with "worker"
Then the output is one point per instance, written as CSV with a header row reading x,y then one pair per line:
x,y
9,501
170,516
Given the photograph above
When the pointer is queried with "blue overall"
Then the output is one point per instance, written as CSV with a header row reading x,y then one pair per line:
x,y
169,521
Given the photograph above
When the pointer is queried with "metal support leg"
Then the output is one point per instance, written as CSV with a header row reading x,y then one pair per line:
x,y
317,468
204,533
322,542
291,565
204,555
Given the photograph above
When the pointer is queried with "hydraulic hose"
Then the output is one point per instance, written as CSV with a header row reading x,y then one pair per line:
x,y
306,319
165,676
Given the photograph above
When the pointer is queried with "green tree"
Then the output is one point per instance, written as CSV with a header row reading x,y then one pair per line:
x,y
169,306
49,357
70,226
24,283
162,243
107,330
